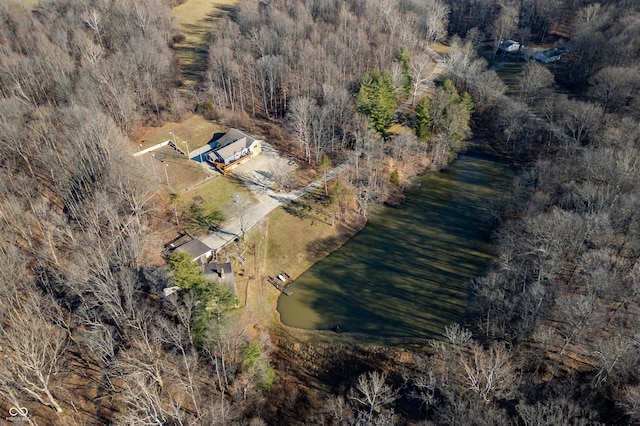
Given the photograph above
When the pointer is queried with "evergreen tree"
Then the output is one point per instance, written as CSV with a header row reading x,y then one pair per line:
x,y
424,121
466,100
407,80
451,90
376,99
215,298
186,273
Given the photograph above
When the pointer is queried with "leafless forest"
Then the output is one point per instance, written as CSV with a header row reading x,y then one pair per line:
x,y
551,332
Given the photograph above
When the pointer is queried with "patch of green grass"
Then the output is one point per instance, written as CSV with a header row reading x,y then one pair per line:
x,y
295,243
217,193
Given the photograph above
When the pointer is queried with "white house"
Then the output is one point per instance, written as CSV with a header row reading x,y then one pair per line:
x,y
509,46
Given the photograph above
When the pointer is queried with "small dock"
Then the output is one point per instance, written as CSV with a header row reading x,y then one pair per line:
x,y
281,282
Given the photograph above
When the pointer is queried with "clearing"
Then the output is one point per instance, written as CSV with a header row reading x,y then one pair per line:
x,y
195,18
191,133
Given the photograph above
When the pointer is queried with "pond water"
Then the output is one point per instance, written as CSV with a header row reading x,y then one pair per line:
x,y
408,272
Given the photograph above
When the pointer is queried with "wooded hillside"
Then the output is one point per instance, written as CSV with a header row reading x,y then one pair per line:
x,y
550,336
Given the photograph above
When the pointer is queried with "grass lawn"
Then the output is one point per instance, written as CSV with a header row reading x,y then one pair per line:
x,y
166,163
195,130
216,194
295,243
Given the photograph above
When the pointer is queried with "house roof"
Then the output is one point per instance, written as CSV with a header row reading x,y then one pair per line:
x,y
233,135
212,271
551,52
236,146
508,44
194,248
233,141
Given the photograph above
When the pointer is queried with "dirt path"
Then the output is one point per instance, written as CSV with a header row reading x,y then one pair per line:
x,y
195,18
425,84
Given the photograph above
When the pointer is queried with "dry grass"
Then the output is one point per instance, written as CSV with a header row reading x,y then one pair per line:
x,y
283,241
440,48
195,130
182,173
25,2
195,19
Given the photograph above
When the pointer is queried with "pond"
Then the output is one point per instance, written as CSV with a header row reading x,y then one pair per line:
x,y
408,272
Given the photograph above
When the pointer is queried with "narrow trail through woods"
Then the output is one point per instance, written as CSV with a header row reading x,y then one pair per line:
x,y
195,19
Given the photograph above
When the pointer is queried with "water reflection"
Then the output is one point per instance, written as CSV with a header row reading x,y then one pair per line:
x,y
407,273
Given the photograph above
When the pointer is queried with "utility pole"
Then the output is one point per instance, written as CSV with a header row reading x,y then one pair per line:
x,y
153,164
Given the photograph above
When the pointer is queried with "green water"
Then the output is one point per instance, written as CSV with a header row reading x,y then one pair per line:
x,y
407,273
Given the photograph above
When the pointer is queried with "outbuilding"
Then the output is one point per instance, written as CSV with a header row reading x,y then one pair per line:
x,y
550,55
509,46
199,251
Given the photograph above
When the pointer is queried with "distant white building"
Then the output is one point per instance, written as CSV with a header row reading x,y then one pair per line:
x,y
510,46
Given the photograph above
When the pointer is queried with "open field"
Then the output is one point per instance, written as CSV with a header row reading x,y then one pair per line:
x,y
195,18
195,130
287,241
299,236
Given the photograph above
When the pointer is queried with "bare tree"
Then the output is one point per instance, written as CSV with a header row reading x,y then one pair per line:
x,y
613,87
506,23
301,111
371,395
419,66
535,77
34,345
436,20
238,208
561,412
579,119
489,373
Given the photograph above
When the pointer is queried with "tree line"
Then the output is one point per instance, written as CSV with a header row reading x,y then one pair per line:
x,y
112,58
549,336
86,333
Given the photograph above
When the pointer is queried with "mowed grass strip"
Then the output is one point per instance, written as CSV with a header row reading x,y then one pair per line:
x,y
294,239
